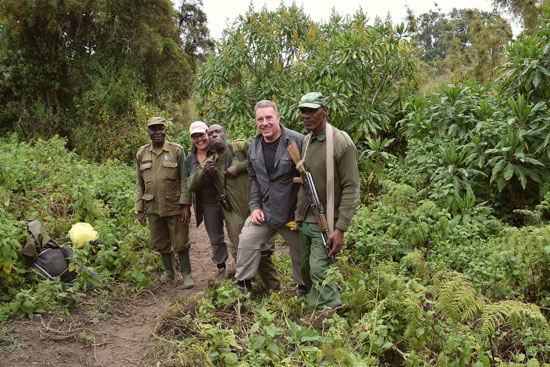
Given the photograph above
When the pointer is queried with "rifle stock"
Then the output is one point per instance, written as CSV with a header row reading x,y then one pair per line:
x,y
309,187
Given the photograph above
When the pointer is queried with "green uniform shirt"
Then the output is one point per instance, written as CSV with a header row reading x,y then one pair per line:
x,y
237,188
346,177
161,186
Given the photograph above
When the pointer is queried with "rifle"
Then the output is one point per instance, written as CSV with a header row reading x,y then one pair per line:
x,y
311,192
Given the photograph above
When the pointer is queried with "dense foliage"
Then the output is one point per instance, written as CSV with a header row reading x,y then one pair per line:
x,y
448,257
44,181
435,273
366,71
94,71
463,42
528,13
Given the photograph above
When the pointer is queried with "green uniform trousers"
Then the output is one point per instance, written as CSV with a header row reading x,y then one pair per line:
x,y
315,263
168,233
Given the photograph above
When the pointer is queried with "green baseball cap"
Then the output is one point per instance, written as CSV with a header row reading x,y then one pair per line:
x,y
312,100
156,121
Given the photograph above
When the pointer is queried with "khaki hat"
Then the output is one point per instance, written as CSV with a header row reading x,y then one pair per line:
x,y
156,121
197,127
312,100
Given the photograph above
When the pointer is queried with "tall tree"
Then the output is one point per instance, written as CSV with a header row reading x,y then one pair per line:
x,y
462,42
282,54
75,68
529,12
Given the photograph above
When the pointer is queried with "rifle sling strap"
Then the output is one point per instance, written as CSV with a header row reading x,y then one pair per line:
x,y
330,177
330,172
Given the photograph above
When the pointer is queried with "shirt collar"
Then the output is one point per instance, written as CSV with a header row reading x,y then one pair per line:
x,y
164,146
322,136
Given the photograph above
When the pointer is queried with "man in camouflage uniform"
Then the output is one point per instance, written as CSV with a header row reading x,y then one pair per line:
x,y
228,170
162,199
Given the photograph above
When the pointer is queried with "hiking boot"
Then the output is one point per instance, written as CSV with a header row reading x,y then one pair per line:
x,y
168,264
185,267
167,276
244,286
302,291
220,275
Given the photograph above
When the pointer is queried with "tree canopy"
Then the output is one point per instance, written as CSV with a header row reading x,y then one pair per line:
x,y
280,55
83,68
463,42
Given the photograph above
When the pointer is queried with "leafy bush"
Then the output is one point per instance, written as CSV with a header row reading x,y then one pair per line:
x,y
48,183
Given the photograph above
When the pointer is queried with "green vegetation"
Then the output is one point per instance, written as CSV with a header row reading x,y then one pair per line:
x,y
366,70
462,43
95,71
448,257
46,182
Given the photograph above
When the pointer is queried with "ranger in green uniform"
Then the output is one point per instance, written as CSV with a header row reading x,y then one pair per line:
x,y
315,262
228,170
162,199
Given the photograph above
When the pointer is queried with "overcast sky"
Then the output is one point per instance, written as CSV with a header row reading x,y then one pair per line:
x,y
221,11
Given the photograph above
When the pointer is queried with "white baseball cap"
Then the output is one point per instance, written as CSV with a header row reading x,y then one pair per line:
x,y
197,127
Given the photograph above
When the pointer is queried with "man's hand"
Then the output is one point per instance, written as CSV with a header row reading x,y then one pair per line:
x,y
257,216
232,171
209,167
186,214
142,219
335,241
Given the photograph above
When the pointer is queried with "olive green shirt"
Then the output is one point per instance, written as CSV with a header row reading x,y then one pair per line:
x,y
161,180
346,177
237,188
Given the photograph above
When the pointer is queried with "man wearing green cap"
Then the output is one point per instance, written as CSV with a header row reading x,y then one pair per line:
x,y
163,200
331,157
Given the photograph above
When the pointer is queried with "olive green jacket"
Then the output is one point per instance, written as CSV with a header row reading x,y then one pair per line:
x,y
346,177
237,188
161,180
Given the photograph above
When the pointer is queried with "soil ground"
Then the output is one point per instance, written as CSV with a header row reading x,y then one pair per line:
x,y
123,335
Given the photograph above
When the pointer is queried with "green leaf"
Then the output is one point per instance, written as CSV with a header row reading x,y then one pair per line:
x,y
508,172
254,328
258,342
498,167
273,348
230,358
500,184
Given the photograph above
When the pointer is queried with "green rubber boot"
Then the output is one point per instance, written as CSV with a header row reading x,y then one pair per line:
x,y
168,264
185,266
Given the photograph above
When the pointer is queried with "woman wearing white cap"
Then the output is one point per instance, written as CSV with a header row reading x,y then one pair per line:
x,y
205,197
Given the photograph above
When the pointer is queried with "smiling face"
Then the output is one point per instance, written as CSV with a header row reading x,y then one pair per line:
x,y
267,121
157,133
200,141
315,119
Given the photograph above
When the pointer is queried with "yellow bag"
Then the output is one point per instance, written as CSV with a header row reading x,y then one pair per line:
x,y
81,233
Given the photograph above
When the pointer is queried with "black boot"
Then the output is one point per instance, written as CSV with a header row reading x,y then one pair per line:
x,y
244,285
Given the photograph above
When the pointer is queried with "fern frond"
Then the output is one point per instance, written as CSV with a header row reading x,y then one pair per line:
x,y
456,296
498,314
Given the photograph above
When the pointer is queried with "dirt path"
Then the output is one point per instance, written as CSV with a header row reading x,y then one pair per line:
x,y
122,336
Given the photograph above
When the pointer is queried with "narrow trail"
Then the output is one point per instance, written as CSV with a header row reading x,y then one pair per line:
x,y
123,335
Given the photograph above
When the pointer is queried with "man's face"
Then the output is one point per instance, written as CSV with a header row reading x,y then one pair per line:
x,y
200,140
314,118
157,133
217,137
268,123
